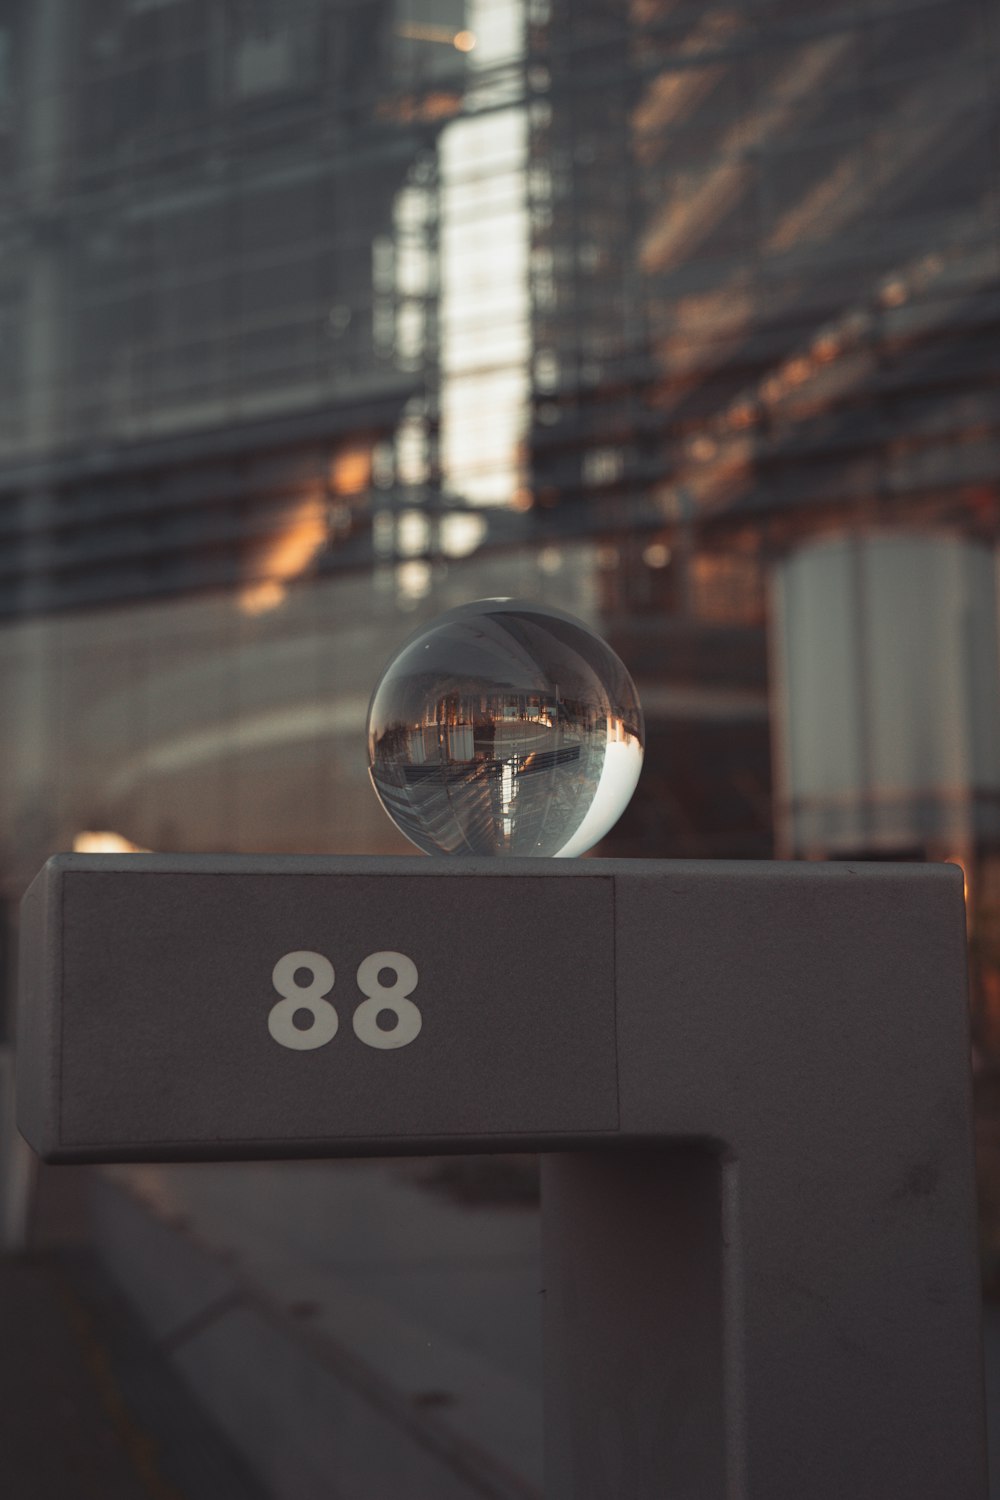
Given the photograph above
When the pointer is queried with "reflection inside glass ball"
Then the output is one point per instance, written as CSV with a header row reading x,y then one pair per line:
x,y
505,727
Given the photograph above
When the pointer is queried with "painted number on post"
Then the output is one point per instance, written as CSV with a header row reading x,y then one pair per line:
x,y
386,1018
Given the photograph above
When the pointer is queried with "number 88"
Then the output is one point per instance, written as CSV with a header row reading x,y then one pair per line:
x,y
311,997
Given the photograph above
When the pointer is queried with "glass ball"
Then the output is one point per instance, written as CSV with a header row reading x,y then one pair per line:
x,y
505,727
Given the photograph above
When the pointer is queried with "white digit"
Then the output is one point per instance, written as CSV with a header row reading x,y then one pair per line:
x,y
393,997
309,997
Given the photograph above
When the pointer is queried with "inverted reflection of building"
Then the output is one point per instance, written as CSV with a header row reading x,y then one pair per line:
x,y
466,780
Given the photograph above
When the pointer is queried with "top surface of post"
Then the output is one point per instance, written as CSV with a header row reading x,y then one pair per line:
x,y
222,1006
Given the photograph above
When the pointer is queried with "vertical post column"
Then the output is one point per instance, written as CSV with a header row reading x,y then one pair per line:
x,y
634,1344
813,1021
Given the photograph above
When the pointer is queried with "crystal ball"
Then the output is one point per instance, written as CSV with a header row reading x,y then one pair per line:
x,y
505,727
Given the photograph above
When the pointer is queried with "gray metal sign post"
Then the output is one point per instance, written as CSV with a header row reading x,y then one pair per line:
x,y
751,1083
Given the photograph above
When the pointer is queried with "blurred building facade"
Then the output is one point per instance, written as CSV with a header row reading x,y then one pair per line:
x,y
321,316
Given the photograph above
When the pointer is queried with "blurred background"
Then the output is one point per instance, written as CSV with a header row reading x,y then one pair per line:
x,y
319,317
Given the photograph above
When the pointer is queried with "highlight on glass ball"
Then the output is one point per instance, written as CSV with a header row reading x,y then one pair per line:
x,y
505,727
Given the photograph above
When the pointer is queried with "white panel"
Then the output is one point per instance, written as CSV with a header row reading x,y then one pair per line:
x,y
888,687
818,644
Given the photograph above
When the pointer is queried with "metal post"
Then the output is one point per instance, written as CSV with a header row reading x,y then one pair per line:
x,y
752,1081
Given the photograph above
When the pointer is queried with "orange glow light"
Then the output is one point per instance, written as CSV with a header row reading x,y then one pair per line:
x,y
104,842
826,347
953,859
288,556
351,471
419,31
703,448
